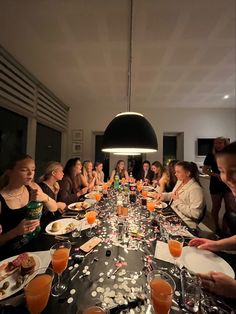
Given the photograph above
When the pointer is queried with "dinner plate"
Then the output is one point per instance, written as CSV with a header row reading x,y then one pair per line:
x,y
203,261
78,206
98,187
161,205
12,278
148,188
63,224
90,195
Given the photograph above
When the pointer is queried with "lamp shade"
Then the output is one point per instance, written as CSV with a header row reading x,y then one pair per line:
x,y
129,133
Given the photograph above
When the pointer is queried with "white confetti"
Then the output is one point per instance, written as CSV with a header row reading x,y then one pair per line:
x,y
70,300
72,291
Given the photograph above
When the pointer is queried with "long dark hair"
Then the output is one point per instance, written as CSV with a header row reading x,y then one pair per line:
x,y
192,168
4,179
229,149
68,170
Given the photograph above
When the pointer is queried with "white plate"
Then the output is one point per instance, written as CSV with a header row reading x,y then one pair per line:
x,y
64,223
12,278
148,188
90,195
73,206
203,261
98,187
91,201
161,205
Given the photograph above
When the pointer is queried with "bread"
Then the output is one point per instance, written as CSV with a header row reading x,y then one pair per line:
x,y
27,266
56,226
78,205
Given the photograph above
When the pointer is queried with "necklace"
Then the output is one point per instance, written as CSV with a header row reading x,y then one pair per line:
x,y
18,196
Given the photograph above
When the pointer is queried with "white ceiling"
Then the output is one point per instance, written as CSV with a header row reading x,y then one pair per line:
x,y
183,50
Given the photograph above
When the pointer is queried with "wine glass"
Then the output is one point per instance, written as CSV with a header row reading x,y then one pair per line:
x,y
91,217
161,286
151,207
59,254
98,196
37,290
175,244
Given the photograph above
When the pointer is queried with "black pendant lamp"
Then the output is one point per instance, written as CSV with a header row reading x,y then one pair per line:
x,y
129,133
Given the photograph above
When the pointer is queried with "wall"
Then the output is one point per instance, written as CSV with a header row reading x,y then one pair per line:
x,y
193,122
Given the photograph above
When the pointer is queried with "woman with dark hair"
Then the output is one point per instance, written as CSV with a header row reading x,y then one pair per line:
x,y
218,189
146,174
73,184
17,189
120,170
217,282
171,174
187,196
160,177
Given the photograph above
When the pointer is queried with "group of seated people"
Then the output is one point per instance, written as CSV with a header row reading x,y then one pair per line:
x,y
178,184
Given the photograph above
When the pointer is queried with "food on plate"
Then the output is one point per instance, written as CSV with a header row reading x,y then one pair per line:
x,y
19,281
4,287
81,205
16,262
70,227
27,266
152,194
56,226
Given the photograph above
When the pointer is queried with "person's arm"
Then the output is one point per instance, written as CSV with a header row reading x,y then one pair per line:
x,y
206,244
162,182
38,195
126,175
207,170
112,175
191,206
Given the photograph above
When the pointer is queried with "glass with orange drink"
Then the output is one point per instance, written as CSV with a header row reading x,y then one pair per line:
x,y
98,196
91,218
94,310
144,193
162,287
59,254
175,244
37,290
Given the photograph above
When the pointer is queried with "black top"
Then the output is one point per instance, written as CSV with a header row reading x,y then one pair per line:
x,y
9,219
216,185
48,216
148,175
67,192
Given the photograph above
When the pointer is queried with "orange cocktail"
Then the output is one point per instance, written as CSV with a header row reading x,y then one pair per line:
x,y
37,291
94,310
151,206
161,295
98,197
139,187
144,193
91,218
60,259
175,248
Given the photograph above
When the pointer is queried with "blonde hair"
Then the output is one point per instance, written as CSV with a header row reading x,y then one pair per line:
x,y
88,175
51,166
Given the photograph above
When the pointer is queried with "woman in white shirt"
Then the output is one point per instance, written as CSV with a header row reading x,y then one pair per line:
x,y
187,196
98,166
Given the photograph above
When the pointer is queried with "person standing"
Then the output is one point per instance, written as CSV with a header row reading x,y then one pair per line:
x,y
218,189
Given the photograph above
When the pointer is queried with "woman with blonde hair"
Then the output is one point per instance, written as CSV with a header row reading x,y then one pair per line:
x,y
50,186
90,176
120,170
17,190
160,178
218,189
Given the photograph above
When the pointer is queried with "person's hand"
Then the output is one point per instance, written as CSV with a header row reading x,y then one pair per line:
x,y
95,175
219,284
204,244
158,196
82,191
61,207
38,195
175,195
26,226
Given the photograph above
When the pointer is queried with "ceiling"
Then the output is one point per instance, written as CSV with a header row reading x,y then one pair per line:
x,y
183,50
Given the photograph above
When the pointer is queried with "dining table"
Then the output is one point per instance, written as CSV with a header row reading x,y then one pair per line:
x,y
113,274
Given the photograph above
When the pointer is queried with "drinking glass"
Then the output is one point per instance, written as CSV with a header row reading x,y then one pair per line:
x,y
91,217
139,187
77,232
59,254
161,287
175,244
98,197
38,289
144,193
151,207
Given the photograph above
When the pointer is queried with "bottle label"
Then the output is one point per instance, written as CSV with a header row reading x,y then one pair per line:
x,y
34,213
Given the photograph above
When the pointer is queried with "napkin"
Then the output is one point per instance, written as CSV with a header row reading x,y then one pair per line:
x,y
45,258
162,252
85,225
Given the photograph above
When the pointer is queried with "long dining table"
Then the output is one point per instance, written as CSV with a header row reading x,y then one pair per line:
x,y
113,274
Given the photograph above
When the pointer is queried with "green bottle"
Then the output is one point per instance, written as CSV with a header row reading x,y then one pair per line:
x,y
33,211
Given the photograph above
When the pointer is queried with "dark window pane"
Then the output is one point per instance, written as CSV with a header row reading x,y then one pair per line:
x,y
48,147
13,136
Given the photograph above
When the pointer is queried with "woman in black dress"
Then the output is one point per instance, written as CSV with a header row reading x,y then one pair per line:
x,y
218,189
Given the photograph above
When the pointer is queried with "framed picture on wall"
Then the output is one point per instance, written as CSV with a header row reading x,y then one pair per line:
x,y
77,135
77,148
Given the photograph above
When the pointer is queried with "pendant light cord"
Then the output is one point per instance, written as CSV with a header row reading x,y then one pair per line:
x,y
129,87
